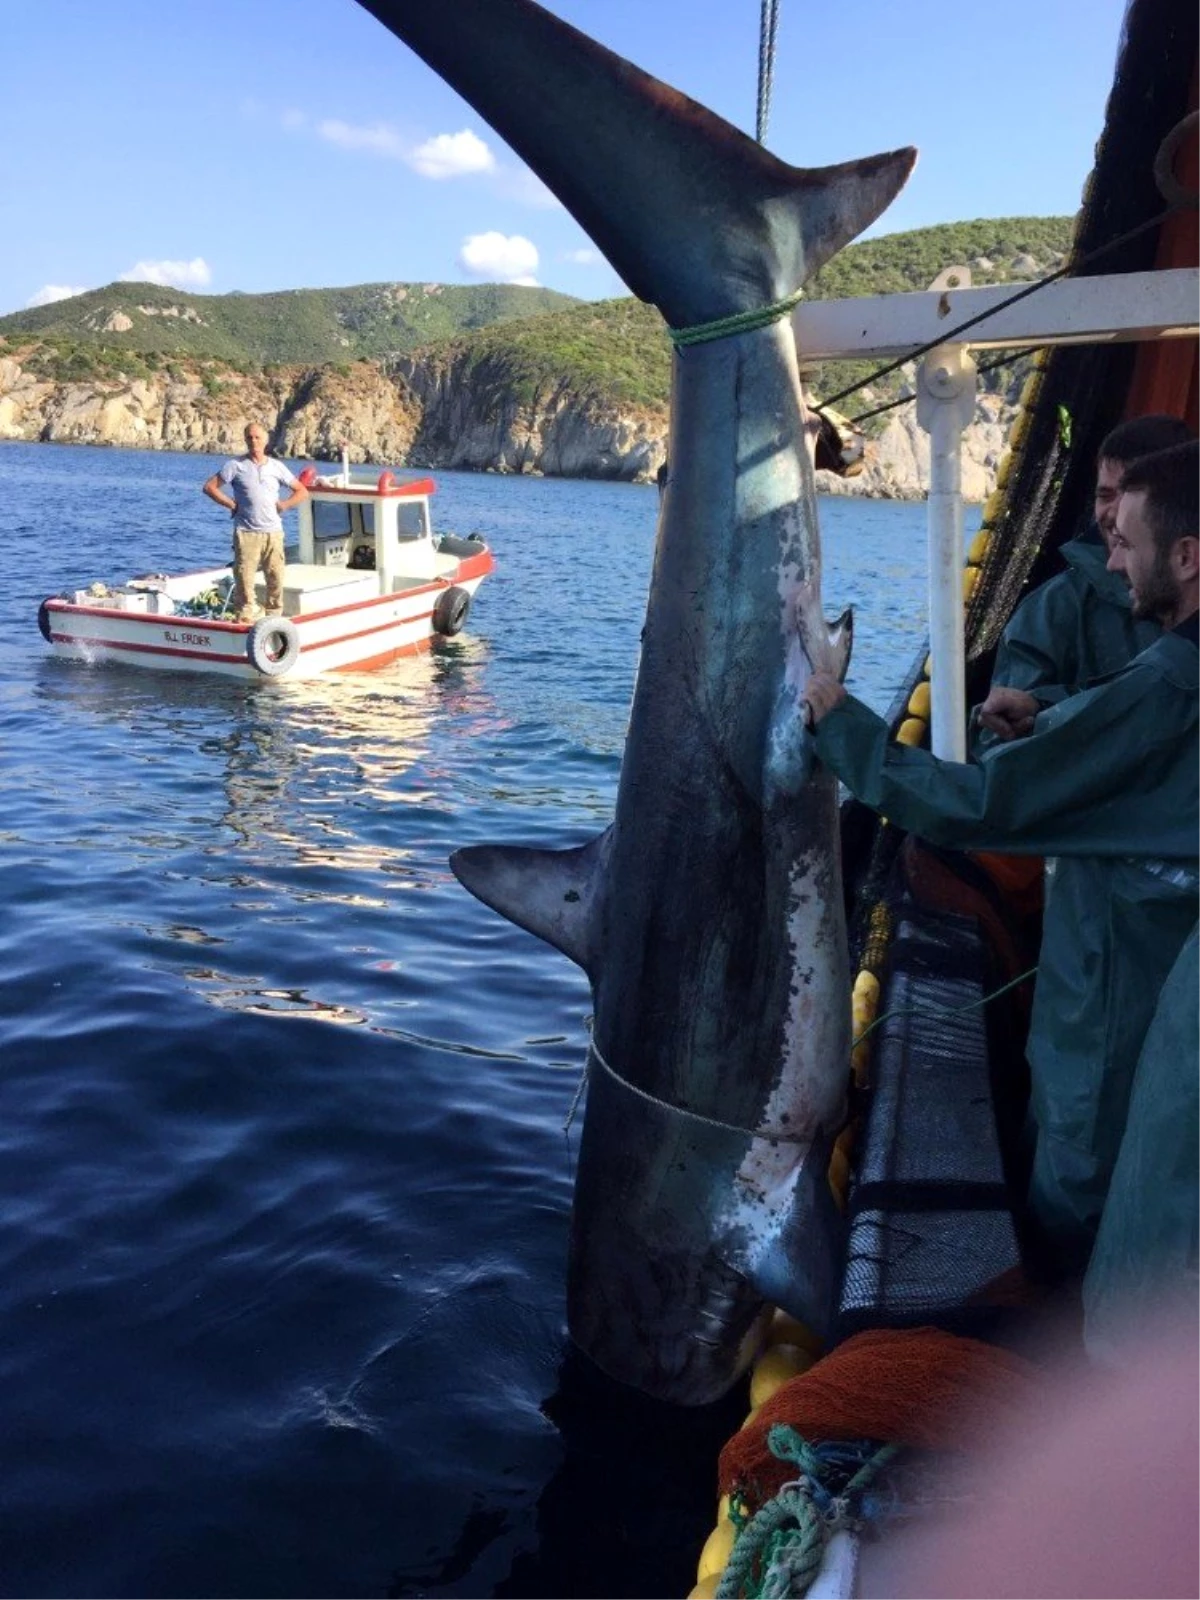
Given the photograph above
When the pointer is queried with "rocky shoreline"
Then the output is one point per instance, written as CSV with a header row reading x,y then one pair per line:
x,y
431,410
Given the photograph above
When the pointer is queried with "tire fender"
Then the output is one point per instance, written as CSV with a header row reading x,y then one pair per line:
x,y
450,612
273,646
44,621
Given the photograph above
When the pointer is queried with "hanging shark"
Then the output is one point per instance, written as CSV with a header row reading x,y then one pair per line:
x,y
709,916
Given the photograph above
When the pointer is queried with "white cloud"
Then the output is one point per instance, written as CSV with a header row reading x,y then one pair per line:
x,y
582,258
378,139
293,121
523,186
507,258
50,292
446,155
450,155
193,274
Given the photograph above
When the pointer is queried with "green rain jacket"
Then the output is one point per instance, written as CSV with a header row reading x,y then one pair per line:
x,y
1146,1250
1108,782
1075,627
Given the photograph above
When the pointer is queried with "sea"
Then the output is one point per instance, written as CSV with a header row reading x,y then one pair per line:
x,y
285,1163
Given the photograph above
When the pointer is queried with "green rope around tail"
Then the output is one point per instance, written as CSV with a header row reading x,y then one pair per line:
x,y
740,322
779,1551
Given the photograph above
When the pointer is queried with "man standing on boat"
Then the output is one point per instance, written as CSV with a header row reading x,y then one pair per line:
x,y
1079,624
1106,781
249,487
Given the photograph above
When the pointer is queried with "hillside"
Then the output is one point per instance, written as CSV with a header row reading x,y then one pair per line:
x,y
313,326
499,379
617,350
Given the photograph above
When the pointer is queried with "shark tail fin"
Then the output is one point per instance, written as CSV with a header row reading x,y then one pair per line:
x,y
694,215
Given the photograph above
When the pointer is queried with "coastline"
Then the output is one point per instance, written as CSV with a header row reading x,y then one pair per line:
x,y
312,413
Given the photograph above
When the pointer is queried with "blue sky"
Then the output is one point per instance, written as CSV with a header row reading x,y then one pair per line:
x,y
220,146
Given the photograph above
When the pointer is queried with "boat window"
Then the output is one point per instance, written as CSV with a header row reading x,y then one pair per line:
x,y
331,519
412,519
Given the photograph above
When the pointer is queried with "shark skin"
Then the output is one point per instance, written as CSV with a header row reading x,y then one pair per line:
x,y
709,916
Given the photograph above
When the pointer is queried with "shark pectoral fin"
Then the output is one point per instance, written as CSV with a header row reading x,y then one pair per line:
x,y
841,642
550,893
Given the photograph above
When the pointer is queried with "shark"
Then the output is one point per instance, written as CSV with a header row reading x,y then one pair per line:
x,y
709,915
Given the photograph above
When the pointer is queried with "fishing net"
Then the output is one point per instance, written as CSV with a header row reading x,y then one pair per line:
x,y
919,1387
932,1236
1079,392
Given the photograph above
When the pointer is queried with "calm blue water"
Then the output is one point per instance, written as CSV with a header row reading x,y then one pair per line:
x,y
283,1181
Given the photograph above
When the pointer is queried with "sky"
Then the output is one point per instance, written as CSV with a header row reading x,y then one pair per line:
x,y
214,146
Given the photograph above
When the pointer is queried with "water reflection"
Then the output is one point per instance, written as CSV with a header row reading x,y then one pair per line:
x,y
286,800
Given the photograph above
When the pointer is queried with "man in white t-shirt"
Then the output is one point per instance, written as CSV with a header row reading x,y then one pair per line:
x,y
249,487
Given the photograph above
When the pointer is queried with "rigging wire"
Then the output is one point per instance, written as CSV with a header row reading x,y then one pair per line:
x,y
768,27
951,334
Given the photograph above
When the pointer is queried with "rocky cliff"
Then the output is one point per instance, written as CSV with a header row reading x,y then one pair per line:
x,y
438,409
311,412
475,417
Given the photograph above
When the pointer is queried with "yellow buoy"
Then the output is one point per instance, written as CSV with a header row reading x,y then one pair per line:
x,y
979,547
718,1547
786,1330
867,985
911,731
862,1007
723,1508
992,508
1003,471
927,669
970,579
919,701
706,1589
774,1368
1020,432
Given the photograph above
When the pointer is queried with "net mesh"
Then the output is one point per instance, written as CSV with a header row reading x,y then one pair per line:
x,y
931,1230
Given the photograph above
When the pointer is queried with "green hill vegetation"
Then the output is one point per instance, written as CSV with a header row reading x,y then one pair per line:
x,y
309,326
605,350
532,340
617,350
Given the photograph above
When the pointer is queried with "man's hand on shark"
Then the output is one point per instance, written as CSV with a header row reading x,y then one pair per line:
x,y
822,694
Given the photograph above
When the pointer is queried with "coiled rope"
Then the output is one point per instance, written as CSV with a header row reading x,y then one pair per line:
x,y
780,1550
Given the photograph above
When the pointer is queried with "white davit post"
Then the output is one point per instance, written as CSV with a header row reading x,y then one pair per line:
x,y
945,407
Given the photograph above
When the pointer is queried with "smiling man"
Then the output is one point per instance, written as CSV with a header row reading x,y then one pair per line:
x,y
1106,781
1077,625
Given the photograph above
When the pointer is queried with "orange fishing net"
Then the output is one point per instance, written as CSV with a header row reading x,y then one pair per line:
x,y
911,1386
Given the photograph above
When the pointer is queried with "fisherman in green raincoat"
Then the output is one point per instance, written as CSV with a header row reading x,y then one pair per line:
x,y
1107,781
1078,625
1149,1233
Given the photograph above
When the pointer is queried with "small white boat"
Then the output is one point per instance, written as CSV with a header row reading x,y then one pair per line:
x,y
367,583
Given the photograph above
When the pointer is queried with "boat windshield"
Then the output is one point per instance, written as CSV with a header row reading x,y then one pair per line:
x,y
337,519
